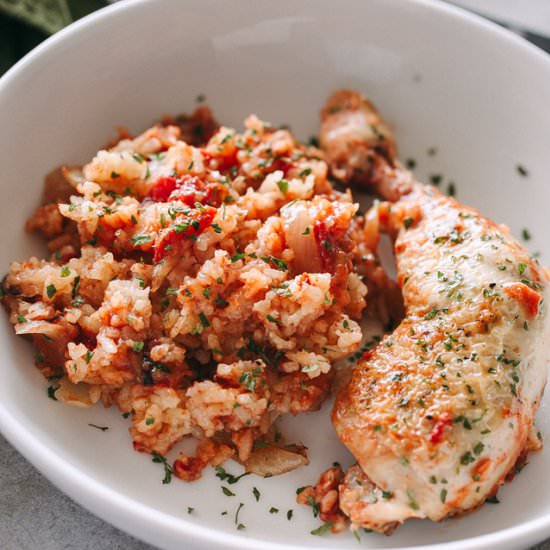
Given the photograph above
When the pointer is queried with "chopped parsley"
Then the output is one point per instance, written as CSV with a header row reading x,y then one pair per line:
x,y
467,458
138,346
248,380
227,477
314,505
236,257
168,471
204,320
102,428
227,492
435,179
278,263
283,186
431,314
321,530
220,301
256,494
226,138
138,240
522,171
50,291
478,448
51,392
313,141
239,525
272,319
412,500
183,227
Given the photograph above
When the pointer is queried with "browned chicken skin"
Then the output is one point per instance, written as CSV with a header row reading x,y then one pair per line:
x,y
440,411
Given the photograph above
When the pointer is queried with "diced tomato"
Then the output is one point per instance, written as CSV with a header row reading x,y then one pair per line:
x,y
163,188
190,190
191,225
439,427
325,244
367,355
225,162
105,234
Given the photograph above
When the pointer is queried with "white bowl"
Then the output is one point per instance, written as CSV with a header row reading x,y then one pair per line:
x,y
442,77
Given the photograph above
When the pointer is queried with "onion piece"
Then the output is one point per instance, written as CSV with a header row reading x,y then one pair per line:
x,y
78,395
274,460
73,175
298,225
51,330
161,270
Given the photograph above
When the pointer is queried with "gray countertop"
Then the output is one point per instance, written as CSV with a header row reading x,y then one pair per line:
x,y
34,515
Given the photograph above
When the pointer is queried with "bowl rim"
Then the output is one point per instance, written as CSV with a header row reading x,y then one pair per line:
x,y
114,507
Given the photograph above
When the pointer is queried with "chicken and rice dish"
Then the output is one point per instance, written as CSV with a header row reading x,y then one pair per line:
x,y
206,281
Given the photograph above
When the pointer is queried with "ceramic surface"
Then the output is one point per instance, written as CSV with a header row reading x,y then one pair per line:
x,y
443,78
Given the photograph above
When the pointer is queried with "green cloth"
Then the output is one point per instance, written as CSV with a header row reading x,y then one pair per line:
x,y
25,23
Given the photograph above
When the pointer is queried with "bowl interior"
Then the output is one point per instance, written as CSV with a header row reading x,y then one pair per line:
x,y
467,102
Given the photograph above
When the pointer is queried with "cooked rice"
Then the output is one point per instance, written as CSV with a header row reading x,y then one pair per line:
x,y
203,287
